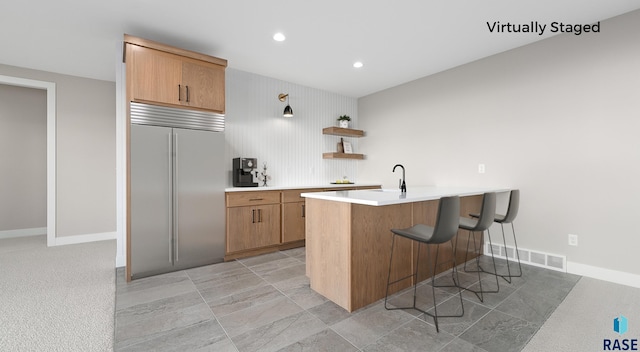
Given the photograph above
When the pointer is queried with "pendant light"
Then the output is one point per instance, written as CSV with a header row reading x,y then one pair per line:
x,y
288,112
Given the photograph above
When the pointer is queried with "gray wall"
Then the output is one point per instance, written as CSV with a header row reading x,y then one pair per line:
x,y
23,151
558,119
86,186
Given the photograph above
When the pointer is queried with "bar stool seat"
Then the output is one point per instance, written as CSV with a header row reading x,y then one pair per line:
x,y
445,228
466,223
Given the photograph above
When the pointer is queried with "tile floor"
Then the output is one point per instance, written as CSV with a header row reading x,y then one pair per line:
x,y
265,303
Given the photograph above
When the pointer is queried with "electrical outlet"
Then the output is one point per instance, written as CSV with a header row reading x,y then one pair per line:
x,y
573,240
481,168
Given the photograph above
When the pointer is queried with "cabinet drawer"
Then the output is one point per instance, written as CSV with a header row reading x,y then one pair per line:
x,y
240,199
293,195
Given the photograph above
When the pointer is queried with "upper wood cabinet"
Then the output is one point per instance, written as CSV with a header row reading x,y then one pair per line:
x,y
155,76
165,75
204,84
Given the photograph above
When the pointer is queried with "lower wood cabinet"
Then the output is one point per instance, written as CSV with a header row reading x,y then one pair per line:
x,y
293,217
266,221
293,214
253,221
253,227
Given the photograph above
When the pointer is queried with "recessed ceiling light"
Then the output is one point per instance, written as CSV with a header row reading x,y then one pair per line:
x,y
358,64
279,37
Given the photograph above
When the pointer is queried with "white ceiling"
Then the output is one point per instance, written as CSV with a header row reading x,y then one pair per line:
x,y
398,41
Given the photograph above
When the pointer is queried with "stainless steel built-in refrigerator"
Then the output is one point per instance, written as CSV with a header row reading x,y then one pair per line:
x,y
177,192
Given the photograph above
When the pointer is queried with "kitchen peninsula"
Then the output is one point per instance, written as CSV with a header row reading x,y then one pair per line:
x,y
348,239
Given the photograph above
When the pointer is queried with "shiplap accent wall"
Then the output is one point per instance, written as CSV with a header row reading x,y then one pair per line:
x,y
291,147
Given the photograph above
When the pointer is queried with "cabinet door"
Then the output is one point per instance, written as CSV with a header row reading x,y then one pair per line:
x,y
293,222
204,86
156,76
240,228
268,225
252,227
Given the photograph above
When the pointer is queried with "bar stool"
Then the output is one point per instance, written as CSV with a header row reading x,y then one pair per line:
x,y
481,223
512,212
445,228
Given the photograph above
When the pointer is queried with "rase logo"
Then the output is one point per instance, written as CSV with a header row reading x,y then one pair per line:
x,y
621,326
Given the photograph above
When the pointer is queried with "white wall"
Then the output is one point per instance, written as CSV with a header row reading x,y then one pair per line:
x,y
291,147
558,119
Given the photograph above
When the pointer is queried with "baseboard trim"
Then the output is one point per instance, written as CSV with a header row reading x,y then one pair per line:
x,y
36,231
94,237
560,263
618,277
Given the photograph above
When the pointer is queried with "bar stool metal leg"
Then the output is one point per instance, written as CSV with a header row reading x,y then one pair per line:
x,y
508,277
480,293
509,217
432,271
445,228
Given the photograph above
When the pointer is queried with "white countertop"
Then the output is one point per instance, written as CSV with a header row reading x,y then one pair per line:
x,y
393,196
282,188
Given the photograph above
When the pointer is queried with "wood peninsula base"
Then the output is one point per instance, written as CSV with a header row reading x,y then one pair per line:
x,y
348,245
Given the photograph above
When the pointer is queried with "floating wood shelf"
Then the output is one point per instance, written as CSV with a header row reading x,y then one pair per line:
x,y
342,156
347,132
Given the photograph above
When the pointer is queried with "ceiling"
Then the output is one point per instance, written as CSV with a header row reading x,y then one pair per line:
x,y
397,41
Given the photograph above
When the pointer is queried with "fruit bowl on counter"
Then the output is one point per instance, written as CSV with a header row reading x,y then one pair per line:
x,y
344,181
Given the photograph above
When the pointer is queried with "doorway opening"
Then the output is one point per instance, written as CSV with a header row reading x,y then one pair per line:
x,y
50,88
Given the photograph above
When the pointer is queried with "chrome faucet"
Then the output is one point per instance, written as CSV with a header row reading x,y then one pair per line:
x,y
402,184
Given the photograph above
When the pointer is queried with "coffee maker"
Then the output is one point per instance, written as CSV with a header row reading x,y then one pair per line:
x,y
243,170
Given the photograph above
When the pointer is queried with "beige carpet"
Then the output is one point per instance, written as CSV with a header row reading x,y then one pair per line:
x,y
58,298
585,318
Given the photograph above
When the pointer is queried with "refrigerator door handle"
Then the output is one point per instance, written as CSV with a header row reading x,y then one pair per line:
x,y
170,157
174,187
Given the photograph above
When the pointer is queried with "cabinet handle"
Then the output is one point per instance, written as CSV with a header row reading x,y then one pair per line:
x,y
187,93
303,211
179,95
259,215
255,199
253,216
